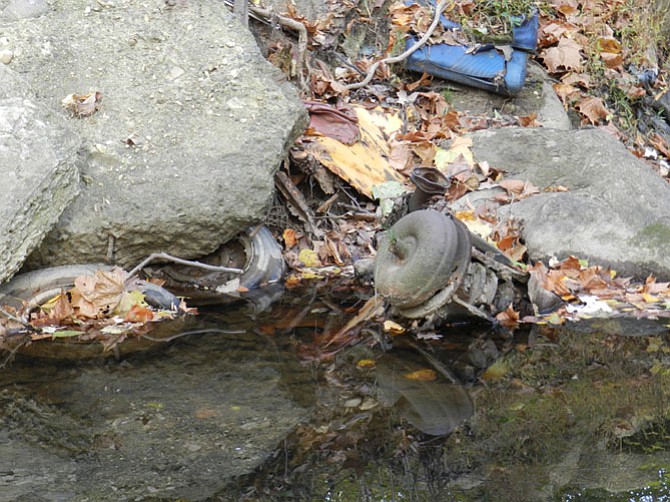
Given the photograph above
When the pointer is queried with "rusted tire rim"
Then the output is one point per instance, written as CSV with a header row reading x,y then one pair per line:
x,y
416,258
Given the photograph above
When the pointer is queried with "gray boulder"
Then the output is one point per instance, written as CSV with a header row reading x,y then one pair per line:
x,y
192,125
617,211
38,155
537,96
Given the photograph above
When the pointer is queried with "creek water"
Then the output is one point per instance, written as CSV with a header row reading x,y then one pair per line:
x,y
249,407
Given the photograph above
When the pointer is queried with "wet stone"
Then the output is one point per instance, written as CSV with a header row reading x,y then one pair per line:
x,y
175,426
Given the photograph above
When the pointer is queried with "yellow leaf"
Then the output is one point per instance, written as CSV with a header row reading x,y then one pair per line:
x,y
555,319
128,300
424,375
649,298
308,275
393,328
496,371
366,363
309,258
460,146
365,163
477,226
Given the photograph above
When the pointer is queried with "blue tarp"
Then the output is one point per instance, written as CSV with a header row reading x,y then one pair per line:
x,y
484,67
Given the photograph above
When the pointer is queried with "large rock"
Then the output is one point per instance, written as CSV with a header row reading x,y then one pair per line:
x,y
193,124
616,213
38,155
537,97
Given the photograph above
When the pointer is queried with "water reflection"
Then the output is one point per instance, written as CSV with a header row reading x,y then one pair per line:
x,y
434,407
175,422
530,415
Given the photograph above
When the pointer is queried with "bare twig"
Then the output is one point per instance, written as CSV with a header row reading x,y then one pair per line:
x,y
167,257
397,59
12,317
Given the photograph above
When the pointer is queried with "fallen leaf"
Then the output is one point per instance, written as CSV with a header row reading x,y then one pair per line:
x,y
372,308
424,375
82,105
338,122
365,163
366,363
563,57
65,333
608,44
611,60
393,328
593,109
290,237
309,258
460,148
508,317
98,294
138,313
128,300
529,120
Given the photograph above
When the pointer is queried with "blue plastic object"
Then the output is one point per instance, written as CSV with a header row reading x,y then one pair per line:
x,y
483,67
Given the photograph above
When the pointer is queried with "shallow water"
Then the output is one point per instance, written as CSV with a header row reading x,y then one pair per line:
x,y
249,408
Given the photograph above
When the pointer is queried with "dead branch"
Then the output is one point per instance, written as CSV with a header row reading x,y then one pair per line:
x,y
167,257
397,59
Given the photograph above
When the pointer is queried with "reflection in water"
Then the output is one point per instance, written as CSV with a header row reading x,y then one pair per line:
x,y
564,414
177,421
434,407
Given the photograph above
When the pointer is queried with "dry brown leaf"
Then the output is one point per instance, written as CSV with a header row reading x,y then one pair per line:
x,y
593,109
290,237
563,57
372,308
401,156
82,105
582,80
98,294
608,44
553,31
508,317
566,92
611,60
529,120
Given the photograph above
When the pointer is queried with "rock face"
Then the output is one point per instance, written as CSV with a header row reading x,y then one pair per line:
x,y
617,211
537,96
193,123
38,155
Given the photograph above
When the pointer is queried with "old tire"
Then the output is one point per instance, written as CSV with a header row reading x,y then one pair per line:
x,y
28,291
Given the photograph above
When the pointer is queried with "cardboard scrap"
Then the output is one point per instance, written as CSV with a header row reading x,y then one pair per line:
x,y
365,163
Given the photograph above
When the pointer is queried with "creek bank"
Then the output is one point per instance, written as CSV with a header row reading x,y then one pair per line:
x,y
192,125
615,213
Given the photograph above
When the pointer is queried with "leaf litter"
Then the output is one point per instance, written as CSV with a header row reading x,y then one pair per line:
x,y
107,307
582,45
